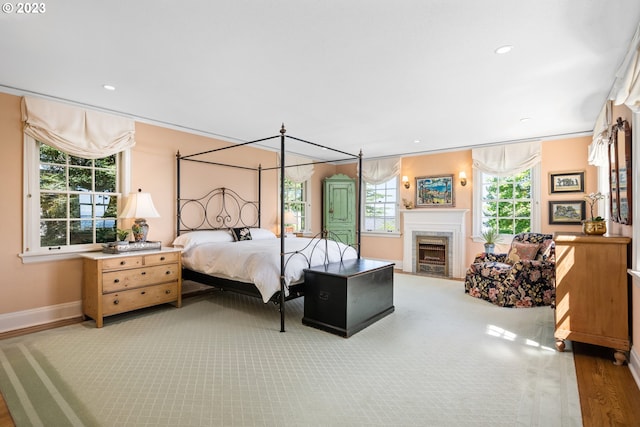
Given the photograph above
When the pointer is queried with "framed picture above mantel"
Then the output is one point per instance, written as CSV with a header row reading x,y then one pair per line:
x,y
435,191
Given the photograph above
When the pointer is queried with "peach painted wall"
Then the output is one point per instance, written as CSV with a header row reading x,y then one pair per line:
x,y
557,156
25,286
564,156
42,284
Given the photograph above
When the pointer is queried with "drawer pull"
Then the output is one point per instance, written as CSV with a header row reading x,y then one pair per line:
x,y
123,262
143,292
116,281
116,302
143,273
168,272
168,291
162,258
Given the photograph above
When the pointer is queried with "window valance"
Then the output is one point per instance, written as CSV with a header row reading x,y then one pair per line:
x,y
626,88
379,171
507,159
299,169
82,133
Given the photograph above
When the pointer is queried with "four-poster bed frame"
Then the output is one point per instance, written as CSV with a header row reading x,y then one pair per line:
x,y
224,221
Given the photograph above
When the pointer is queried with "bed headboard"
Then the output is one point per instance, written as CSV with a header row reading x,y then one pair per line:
x,y
221,208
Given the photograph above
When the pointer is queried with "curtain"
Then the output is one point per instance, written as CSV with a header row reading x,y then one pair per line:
x,y
507,159
296,170
598,149
626,88
379,171
82,133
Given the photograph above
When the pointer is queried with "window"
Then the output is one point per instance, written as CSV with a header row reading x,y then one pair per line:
x,y
381,207
295,201
507,203
71,203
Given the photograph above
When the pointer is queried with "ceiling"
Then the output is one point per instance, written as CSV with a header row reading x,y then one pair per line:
x,y
388,77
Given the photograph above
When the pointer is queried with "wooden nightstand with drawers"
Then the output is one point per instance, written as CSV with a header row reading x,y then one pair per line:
x,y
113,284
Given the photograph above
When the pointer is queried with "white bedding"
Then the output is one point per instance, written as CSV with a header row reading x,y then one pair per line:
x,y
258,261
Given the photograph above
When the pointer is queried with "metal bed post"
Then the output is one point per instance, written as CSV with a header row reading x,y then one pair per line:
x,y
259,195
178,194
359,203
282,237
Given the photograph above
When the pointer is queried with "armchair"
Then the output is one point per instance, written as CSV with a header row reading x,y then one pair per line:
x,y
523,277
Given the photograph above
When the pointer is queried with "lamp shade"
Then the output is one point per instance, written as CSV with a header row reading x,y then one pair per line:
x,y
289,218
139,205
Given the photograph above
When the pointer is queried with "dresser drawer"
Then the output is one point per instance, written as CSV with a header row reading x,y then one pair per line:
x,y
162,258
120,302
120,263
114,281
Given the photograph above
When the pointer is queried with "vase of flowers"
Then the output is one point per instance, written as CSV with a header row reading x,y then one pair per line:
x,y
595,224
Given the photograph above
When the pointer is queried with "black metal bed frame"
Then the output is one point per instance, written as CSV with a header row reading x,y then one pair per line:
x,y
223,219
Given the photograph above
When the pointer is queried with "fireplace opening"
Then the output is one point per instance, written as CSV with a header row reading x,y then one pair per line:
x,y
431,255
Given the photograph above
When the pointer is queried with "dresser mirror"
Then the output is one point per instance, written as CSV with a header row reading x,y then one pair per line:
x,y
620,172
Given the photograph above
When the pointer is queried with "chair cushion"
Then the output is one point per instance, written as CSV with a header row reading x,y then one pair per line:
x,y
493,270
522,251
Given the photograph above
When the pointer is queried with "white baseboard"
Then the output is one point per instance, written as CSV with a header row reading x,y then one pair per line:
x,y
39,316
634,365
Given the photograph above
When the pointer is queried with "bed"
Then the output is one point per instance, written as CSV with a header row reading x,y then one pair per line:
x,y
225,246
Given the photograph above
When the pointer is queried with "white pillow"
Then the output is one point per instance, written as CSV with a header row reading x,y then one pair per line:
x,y
261,234
193,238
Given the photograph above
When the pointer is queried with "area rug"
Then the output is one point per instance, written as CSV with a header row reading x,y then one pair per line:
x,y
442,358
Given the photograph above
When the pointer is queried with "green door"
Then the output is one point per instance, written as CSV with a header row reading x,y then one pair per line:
x,y
339,212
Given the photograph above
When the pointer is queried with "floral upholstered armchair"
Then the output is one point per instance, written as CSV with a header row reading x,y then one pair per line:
x,y
524,277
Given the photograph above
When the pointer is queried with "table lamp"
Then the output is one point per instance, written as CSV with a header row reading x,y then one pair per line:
x,y
139,206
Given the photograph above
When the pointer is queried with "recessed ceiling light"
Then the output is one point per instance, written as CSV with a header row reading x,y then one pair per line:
x,y
525,119
416,141
503,49
109,87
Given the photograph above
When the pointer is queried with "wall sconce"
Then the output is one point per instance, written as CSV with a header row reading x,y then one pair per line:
x,y
463,178
405,181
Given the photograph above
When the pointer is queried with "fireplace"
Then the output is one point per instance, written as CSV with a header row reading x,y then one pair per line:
x,y
432,255
446,224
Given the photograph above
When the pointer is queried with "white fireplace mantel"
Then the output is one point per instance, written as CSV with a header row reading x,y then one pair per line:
x,y
442,220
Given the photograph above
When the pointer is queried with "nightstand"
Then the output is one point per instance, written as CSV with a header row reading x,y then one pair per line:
x,y
117,283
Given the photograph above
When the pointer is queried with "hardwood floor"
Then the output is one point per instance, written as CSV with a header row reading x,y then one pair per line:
x,y
609,395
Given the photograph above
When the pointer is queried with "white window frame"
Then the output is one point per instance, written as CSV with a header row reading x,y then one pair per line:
x,y
477,205
307,207
31,250
394,233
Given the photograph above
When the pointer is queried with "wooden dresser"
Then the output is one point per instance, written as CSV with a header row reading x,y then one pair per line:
x,y
113,284
592,287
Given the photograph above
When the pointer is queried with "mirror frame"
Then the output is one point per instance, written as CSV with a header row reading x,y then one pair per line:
x,y
620,172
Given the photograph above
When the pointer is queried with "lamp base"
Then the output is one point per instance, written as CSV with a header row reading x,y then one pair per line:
x,y
140,229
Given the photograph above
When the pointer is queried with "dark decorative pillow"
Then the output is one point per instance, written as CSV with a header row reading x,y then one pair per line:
x,y
241,233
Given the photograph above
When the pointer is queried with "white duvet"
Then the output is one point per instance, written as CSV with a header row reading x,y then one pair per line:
x,y
258,261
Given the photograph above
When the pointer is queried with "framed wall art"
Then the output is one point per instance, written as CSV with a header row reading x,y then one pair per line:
x,y
567,212
566,182
435,191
